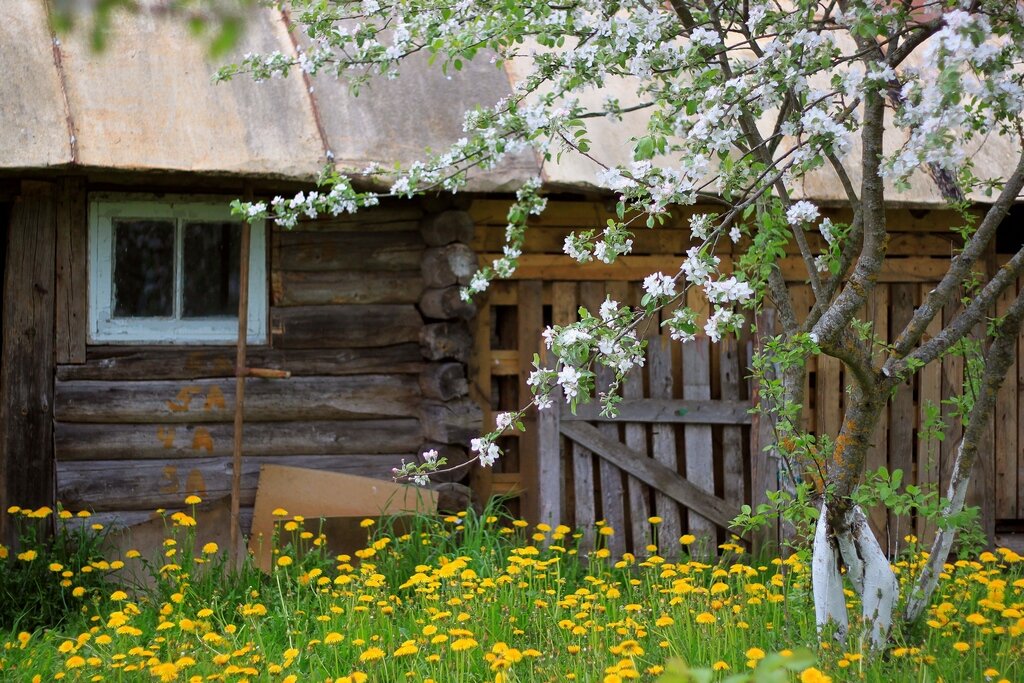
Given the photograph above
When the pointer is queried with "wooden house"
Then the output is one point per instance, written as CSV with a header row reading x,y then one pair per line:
x,y
117,375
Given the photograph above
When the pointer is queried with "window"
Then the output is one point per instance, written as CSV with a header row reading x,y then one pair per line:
x,y
167,271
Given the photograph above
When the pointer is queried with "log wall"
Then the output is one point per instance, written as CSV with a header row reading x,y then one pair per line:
x,y
361,315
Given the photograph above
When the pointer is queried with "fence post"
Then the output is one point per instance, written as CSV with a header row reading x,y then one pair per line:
x,y
764,463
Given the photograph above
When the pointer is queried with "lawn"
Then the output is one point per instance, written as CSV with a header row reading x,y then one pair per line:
x,y
471,598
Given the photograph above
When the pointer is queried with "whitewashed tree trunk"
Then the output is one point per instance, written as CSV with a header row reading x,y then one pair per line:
x,y
827,582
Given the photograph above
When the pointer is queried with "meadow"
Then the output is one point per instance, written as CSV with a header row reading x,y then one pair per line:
x,y
469,598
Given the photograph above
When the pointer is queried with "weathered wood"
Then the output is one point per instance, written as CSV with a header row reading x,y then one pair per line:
x,y
530,319
341,251
564,303
453,422
98,441
663,441
584,503
444,381
549,465
554,267
700,465
212,400
592,295
764,462
675,411
733,469
397,215
71,276
298,288
26,373
449,226
168,362
446,340
901,409
107,485
653,473
952,385
344,326
639,493
1006,444
877,310
446,304
452,264
929,392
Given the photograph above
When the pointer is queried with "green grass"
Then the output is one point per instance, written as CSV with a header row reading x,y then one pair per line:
x,y
469,598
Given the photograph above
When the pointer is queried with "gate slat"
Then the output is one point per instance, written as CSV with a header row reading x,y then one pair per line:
x,y
929,391
732,437
700,465
592,295
663,441
901,410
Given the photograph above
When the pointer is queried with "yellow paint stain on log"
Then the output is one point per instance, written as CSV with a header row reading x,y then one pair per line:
x,y
165,435
195,484
169,482
202,439
183,400
214,400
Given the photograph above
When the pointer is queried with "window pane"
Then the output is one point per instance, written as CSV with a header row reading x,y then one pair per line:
x,y
210,269
143,269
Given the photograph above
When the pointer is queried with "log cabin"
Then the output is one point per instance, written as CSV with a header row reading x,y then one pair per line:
x,y
121,289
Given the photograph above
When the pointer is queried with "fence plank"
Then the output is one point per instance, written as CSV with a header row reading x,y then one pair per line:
x,y
639,493
764,463
901,410
1006,444
878,312
663,439
667,410
531,323
592,295
700,465
732,437
663,479
583,493
929,392
549,464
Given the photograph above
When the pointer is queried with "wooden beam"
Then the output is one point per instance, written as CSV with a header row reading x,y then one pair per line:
x,y
652,473
71,273
26,373
677,411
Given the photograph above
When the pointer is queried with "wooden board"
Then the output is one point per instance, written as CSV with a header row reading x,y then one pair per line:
x,y
700,465
344,326
212,400
733,468
26,373
663,440
1006,444
929,392
877,311
345,251
531,324
162,441
150,484
901,435
299,288
113,363
71,283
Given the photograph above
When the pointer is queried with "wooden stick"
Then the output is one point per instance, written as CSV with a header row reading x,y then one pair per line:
x,y
263,373
240,374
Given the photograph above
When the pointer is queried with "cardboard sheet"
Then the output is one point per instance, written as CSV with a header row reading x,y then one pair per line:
x,y
343,499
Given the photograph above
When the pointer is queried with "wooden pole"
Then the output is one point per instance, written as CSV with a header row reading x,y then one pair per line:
x,y
240,374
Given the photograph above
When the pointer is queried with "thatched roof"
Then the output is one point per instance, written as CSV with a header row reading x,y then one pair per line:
x,y
147,103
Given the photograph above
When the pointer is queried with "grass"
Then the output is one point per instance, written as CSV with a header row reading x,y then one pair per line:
x,y
477,598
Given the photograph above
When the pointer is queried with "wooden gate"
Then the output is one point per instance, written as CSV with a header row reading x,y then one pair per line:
x,y
679,461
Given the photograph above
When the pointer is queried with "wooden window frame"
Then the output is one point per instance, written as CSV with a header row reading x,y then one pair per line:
x,y
105,328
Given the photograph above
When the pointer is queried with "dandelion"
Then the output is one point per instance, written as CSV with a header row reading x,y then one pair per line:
x,y
210,548
687,539
193,500
371,654
812,675
333,638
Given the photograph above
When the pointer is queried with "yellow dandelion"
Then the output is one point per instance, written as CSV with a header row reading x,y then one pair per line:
x,y
284,561
813,675
193,500
706,618
210,548
333,637
371,654
687,539
463,644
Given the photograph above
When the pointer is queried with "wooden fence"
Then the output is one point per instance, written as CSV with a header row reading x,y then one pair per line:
x,y
548,288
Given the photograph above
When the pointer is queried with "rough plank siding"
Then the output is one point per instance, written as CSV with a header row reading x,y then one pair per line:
x,y
26,377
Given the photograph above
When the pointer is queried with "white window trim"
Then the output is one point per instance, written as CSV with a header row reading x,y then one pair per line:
x,y
105,328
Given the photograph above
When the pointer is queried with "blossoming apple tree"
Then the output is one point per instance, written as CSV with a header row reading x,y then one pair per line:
x,y
742,99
